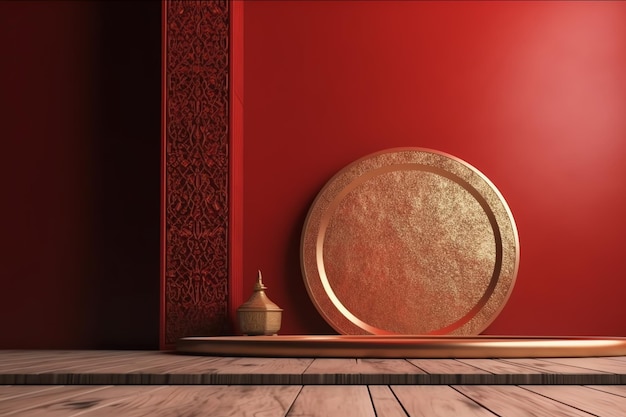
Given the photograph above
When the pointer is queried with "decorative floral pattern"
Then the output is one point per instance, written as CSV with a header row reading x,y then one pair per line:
x,y
196,168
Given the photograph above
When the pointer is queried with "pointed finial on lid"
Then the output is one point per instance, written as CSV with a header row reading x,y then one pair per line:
x,y
259,284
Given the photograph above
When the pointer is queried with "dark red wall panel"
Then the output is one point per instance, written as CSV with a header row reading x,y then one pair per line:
x,y
44,196
533,94
79,174
196,152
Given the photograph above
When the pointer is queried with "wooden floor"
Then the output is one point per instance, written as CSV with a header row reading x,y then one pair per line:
x,y
138,383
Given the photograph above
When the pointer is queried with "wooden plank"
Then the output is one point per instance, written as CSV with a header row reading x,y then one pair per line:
x,y
385,402
104,371
593,364
31,359
362,366
29,355
157,372
81,360
96,365
546,366
146,364
330,365
20,364
495,366
451,371
495,372
197,364
9,391
154,367
361,371
78,404
216,400
206,370
613,389
39,355
19,357
25,403
259,365
437,400
516,401
328,400
592,401
190,365
446,366
617,358
225,371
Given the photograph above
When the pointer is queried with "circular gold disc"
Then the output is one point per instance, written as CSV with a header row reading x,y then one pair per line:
x,y
409,241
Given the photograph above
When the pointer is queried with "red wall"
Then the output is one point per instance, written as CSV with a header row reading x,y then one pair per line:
x,y
533,94
79,177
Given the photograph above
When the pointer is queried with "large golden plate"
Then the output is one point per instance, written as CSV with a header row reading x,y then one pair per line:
x,y
409,241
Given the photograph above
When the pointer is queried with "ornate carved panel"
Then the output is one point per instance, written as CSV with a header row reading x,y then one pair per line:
x,y
195,169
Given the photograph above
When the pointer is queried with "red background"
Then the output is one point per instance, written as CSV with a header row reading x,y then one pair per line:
x,y
533,94
79,177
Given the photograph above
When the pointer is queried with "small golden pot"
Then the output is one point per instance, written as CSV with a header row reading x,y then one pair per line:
x,y
259,315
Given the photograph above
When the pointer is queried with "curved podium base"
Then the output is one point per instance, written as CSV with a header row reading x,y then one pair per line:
x,y
375,346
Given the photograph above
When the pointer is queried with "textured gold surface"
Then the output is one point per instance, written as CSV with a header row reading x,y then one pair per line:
x,y
376,346
409,241
253,323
